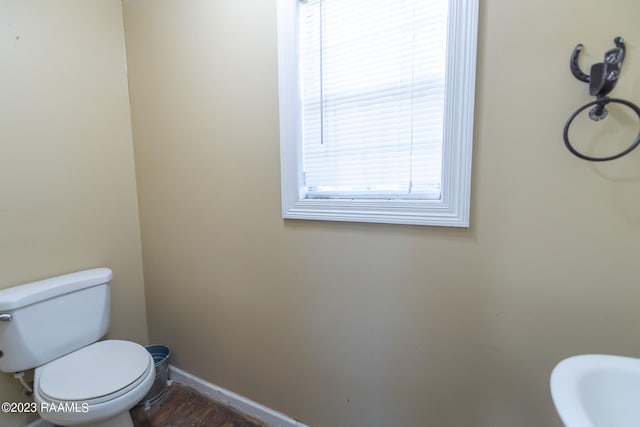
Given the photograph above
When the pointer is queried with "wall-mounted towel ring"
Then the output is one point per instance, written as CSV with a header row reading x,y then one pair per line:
x,y
603,78
600,103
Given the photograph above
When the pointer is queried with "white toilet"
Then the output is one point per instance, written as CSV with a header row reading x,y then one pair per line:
x,y
52,325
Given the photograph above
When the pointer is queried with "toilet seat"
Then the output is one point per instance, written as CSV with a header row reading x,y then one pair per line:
x,y
97,373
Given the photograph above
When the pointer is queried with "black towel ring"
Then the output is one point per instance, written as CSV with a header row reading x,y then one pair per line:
x,y
603,78
599,104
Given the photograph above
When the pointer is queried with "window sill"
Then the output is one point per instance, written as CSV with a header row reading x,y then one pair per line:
x,y
412,212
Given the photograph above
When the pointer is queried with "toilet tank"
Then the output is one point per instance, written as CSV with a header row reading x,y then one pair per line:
x,y
43,320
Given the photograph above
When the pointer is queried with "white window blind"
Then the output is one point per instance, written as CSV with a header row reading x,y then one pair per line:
x,y
372,93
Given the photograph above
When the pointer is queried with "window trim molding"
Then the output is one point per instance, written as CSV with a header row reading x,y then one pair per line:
x,y
454,206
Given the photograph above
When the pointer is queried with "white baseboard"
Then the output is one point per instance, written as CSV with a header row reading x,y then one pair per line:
x,y
40,423
233,400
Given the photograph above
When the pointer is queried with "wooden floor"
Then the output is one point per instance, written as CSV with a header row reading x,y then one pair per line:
x,y
183,406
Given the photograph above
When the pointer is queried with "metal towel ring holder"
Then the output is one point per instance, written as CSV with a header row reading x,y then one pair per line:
x,y
604,77
600,103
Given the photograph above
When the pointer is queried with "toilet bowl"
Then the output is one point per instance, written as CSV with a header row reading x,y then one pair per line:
x,y
93,386
54,325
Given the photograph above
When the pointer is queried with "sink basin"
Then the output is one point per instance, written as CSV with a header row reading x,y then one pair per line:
x,y
597,390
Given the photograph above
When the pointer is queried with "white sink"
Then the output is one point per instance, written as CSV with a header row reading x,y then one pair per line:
x,y
597,390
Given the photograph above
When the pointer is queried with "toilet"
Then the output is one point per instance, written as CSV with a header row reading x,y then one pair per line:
x,y
54,325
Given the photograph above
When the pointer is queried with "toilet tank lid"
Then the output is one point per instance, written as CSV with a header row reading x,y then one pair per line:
x,y
29,293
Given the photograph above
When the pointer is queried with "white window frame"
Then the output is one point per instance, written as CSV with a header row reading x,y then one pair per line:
x,y
452,209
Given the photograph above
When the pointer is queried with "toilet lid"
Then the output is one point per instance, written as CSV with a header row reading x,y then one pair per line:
x,y
98,370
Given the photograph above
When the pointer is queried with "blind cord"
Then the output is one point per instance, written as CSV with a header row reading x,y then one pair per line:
x,y
413,45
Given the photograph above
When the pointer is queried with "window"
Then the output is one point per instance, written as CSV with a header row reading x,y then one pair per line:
x,y
376,109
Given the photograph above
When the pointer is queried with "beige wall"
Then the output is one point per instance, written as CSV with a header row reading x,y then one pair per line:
x,y
342,324
67,183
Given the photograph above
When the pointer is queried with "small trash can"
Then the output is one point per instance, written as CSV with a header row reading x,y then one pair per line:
x,y
160,354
